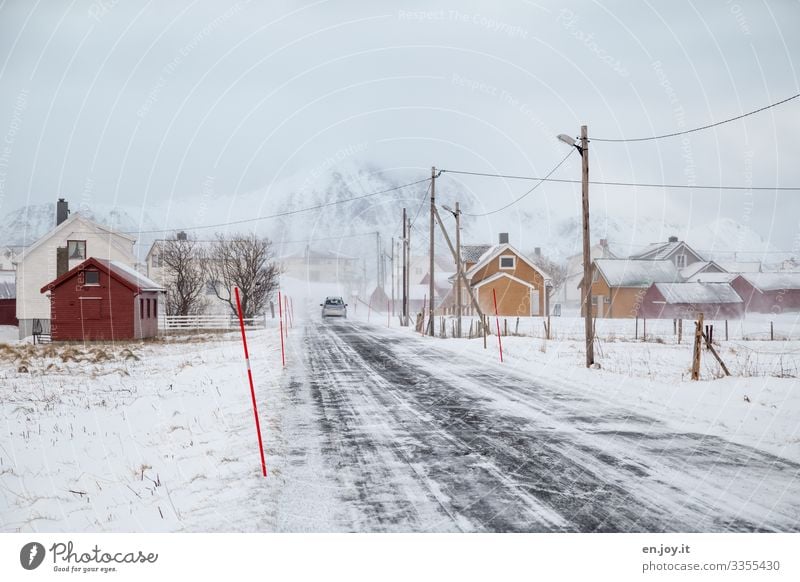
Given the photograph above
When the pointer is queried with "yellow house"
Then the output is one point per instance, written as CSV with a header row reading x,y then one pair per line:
x,y
519,284
619,285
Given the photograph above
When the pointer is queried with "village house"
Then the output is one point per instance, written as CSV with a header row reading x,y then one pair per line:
x,y
569,293
102,300
619,285
769,292
520,285
74,239
676,251
687,300
314,265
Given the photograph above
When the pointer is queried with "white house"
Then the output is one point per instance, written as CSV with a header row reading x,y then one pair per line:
x,y
73,240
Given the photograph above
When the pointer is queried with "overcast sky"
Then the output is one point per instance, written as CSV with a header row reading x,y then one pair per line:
x,y
136,103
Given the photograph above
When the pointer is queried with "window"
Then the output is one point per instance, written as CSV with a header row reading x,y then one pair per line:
x,y
508,262
607,299
155,307
156,260
91,278
680,261
76,250
141,308
148,308
594,299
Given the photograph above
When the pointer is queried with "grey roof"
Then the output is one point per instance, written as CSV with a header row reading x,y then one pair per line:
x,y
698,293
473,253
636,273
657,250
773,281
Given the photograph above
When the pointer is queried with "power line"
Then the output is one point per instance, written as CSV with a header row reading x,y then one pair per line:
x,y
709,126
631,184
550,173
280,214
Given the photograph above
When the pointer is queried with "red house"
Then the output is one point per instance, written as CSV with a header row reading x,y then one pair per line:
x,y
686,300
103,300
769,292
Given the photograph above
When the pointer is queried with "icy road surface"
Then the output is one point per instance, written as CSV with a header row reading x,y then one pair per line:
x,y
401,435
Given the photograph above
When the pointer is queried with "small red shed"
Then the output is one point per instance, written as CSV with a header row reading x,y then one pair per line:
x,y
103,300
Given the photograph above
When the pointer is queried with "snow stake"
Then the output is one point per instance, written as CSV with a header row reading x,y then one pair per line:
x,y
252,387
280,316
497,320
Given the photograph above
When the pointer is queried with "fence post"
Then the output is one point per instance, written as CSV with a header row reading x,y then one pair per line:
x,y
484,326
636,333
680,330
771,331
698,338
644,329
726,330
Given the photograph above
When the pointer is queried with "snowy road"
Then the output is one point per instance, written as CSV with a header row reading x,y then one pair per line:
x,y
408,436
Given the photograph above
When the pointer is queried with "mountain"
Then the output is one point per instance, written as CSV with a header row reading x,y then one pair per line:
x,y
27,224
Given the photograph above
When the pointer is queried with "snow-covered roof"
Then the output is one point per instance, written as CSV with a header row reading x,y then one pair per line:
x,y
773,281
473,253
714,277
494,252
132,275
697,267
74,217
741,266
636,273
698,293
663,250
8,289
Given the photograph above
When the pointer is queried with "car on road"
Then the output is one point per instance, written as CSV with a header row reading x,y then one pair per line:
x,y
334,307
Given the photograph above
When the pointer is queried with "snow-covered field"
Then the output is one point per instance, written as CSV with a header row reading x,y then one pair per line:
x,y
154,436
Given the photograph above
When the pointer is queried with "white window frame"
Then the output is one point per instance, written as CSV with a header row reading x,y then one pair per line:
x,y
680,261
513,262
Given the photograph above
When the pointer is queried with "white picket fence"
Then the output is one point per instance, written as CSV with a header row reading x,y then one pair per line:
x,y
214,322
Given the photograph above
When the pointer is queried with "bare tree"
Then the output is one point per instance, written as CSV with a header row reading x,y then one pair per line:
x,y
557,272
183,277
246,262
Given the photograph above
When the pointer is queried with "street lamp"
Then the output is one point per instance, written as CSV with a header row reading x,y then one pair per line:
x,y
586,287
457,215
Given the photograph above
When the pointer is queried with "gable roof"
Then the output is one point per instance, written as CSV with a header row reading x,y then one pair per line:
x,y
473,253
699,267
119,271
698,293
636,272
494,252
658,251
74,217
773,281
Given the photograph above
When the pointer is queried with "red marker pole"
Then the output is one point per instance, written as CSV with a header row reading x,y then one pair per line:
x,y
252,387
497,320
280,315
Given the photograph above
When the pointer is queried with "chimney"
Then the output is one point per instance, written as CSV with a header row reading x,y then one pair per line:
x,y
503,238
604,243
537,252
181,236
673,239
62,211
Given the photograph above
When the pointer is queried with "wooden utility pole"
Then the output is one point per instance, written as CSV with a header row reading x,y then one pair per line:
x,y
431,286
407,271
587,252
391,266
458,269
462,275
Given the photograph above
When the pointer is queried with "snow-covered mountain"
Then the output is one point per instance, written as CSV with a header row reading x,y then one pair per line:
x,y
25,225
